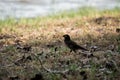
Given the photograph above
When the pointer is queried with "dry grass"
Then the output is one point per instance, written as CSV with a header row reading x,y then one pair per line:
x,y
45,37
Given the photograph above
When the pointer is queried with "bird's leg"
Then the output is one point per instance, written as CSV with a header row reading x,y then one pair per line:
x,y
70,50
74,51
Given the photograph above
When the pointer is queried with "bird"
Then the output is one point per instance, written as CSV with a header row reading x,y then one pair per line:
x,y
73,46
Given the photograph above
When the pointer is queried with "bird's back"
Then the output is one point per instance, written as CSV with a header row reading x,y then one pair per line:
x,y
73,45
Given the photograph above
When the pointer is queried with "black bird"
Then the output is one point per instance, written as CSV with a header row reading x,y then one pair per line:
x,y
71,44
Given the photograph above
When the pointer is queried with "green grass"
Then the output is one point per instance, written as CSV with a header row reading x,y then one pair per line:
x,y
85,11
18,26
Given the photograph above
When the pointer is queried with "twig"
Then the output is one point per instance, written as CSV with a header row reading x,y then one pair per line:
x,y
49,70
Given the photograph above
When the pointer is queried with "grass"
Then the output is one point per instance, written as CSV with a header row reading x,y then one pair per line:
x,y
87,26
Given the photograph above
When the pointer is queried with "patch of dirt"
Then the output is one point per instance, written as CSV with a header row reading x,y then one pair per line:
x,y
113,21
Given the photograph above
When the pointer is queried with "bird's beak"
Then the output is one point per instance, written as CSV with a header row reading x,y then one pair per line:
x,y
63,35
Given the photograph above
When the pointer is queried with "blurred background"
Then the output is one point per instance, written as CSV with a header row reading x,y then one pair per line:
x,y
34,8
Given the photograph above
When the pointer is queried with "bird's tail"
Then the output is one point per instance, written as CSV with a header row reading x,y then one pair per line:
x,y
83,49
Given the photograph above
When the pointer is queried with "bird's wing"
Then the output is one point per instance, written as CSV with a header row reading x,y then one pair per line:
x,y
75,45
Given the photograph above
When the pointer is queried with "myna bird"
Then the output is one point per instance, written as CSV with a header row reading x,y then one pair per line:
x,y
71,44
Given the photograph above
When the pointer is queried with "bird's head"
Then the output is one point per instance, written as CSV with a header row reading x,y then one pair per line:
x,y
66,37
